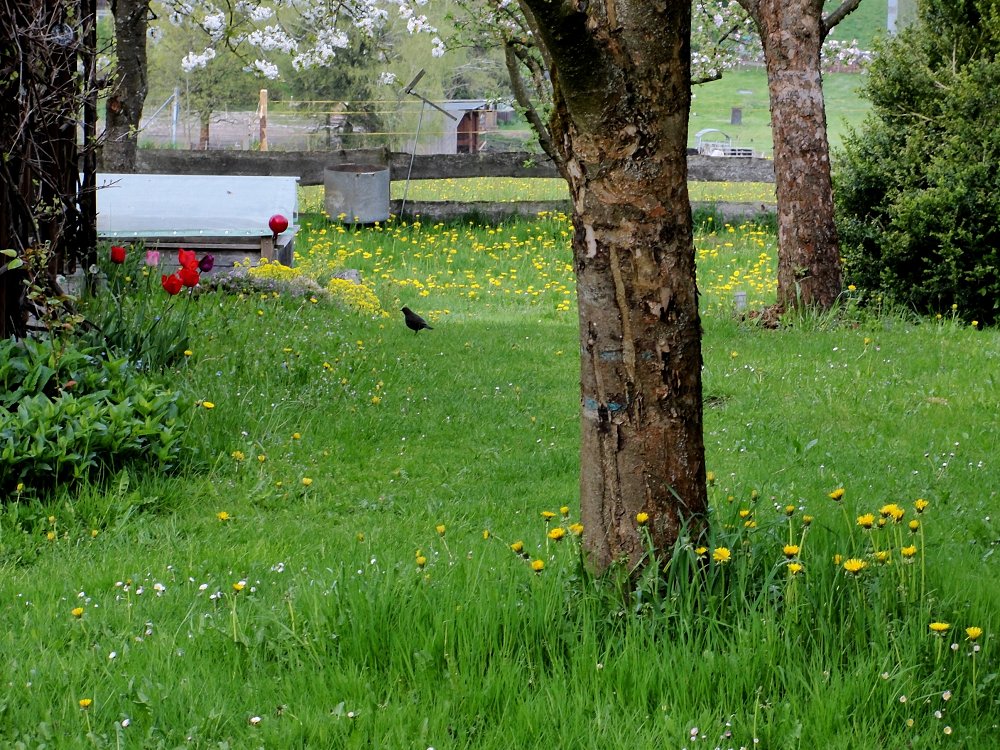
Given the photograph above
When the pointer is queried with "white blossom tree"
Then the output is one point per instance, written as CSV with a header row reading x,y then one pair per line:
x,y
263,35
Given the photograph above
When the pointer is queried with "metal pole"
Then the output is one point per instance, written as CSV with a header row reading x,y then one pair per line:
x,y
413,153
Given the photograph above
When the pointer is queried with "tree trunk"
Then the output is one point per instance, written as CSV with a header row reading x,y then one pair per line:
x,y
128,92
622,94
809,272
40,218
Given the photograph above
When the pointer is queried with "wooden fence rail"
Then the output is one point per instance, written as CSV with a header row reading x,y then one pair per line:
x,y
309,166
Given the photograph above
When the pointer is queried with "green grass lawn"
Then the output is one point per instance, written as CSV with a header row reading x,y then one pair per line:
x,y
333,565
746,89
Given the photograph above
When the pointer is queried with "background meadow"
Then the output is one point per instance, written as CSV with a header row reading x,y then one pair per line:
x,y
359,549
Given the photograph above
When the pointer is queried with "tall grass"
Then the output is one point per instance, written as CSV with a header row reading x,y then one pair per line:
x,y
349,558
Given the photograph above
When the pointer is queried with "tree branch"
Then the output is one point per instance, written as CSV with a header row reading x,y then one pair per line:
x,y
839,14
523,98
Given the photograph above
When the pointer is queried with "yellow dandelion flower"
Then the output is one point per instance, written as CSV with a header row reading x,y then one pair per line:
x,y
920,505
722,555
866,521
237,455
50,535
85,703
548,515
940,628
854,565
440,529
538,565
486,533
557,533
518,547
642,518
789,510
914,525
882,556
306,481
710,478
208,405
576,528
892,511
77,612
973,633
421,561
790,550
806,520
223,515
239,586
795,568
564,510
837,559
701,551
744,513
909,551
296,436
261,457
837,494
188,352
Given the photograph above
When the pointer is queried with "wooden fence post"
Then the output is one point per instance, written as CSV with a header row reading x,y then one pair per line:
x,y
262,112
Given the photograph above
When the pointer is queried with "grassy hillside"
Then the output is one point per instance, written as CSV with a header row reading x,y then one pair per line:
x,y
747,89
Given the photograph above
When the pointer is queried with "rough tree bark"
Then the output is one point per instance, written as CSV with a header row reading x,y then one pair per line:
x,y
792,33
128,90
621,75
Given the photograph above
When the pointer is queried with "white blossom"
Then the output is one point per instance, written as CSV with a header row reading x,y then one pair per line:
x,y
192,61
386,78
263,68
259,13
214,25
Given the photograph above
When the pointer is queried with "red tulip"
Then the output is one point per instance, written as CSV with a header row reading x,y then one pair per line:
x,y
189,276
172,283
117,254
187,259
278,224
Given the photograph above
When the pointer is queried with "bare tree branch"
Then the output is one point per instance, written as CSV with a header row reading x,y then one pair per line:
x,y
523,98
836,16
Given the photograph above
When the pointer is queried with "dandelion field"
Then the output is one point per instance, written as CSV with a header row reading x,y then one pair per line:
x,y
373,539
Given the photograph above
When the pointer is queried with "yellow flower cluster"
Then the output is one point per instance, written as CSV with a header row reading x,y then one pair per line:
x,y
272,269
359,297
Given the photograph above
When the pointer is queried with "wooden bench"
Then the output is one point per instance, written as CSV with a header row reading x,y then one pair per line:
x,y
224,215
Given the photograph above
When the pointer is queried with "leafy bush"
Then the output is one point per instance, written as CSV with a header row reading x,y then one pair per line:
x,y
68,412
919,215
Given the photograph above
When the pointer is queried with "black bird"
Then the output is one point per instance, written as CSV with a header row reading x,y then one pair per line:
x,y
413,321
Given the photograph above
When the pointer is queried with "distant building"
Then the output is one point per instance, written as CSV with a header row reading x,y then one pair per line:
x,y
466,134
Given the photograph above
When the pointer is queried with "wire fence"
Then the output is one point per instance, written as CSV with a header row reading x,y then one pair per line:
x,y
445,127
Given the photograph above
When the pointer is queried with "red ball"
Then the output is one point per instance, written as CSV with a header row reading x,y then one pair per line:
x,y
278,223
